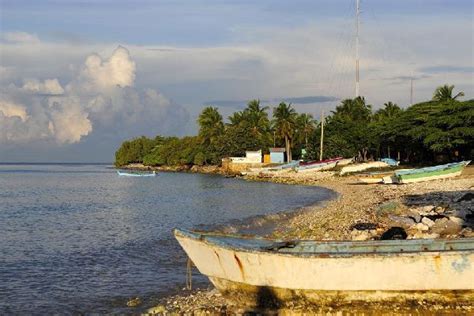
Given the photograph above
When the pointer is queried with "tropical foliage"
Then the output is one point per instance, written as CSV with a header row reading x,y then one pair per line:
x,y
440,129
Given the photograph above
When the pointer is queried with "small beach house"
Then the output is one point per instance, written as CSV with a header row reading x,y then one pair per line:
x,y
277,155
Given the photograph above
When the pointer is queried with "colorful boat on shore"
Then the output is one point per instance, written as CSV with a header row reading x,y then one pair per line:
x,y
136,174
333,272
449,170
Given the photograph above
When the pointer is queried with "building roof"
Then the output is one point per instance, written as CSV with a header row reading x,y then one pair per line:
x,y
277,150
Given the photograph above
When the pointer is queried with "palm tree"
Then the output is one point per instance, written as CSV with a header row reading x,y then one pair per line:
x,y
211,125
445,93
257,118
285,122
389,111
306,125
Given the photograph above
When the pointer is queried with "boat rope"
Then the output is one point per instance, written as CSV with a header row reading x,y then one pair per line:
x,y
189,274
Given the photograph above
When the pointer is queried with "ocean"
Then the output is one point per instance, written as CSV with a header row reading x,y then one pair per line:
x,y
77,238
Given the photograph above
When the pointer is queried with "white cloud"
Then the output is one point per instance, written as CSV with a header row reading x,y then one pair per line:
x,y
21,37
100,96
48,86
9,109
68,121
98,75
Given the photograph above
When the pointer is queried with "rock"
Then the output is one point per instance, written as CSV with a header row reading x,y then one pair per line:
x,y
426,210
415,216
421,235
466,197
461,212
446,226
467,232
134,302
401,220
421,227
160,309
364,226
428,222
360,235
456,220
394,233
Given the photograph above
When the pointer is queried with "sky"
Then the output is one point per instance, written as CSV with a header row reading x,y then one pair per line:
x,y
79,77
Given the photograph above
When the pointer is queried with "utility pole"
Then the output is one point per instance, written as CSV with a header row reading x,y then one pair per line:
x,y
411,91
357,47
322,137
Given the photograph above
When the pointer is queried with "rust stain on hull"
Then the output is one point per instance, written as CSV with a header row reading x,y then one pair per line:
x,y
241,267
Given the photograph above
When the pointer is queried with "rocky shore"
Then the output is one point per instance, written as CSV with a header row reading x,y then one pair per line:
x,y
435,209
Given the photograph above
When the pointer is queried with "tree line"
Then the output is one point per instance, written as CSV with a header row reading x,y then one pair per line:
x,y
439,129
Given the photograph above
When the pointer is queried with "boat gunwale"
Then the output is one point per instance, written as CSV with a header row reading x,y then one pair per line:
x,y
201,236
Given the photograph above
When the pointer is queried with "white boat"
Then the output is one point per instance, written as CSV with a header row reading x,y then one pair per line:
x,y
317,167
334,271
136,174
362,167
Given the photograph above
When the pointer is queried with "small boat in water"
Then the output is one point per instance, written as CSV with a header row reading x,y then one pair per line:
x,y
335,272
449,170
136,174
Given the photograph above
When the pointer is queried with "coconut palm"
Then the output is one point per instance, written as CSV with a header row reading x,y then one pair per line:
x,y
211,125
257,118
390,110
284,120
445,93
306,124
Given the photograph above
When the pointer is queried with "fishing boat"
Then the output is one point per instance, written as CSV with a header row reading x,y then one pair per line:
x,y
378,177
363,166
289,165
374,177
316,167
310,163
136,174
333,272
449,170
390,161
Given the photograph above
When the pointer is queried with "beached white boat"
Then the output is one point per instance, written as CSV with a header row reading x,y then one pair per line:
x,y
317,167
345,162
337,271
362,167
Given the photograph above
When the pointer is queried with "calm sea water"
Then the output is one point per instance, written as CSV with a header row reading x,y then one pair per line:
x,y
80,239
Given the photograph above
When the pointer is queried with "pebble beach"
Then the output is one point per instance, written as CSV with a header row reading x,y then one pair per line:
x,y
433,209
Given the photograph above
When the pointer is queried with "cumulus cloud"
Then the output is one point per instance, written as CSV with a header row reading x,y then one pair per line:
x,y
48,86
99,75
68,121
99,97
9,109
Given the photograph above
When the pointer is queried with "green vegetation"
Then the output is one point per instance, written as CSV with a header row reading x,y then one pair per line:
x,y
440,129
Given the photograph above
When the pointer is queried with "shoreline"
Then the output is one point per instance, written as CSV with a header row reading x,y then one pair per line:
x,y
347,217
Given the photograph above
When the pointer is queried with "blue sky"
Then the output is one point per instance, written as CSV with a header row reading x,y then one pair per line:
x,y
79,76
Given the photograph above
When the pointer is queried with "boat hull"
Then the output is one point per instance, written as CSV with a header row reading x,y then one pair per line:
x,y
376,268
431,173
245,294
314,168
362,167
